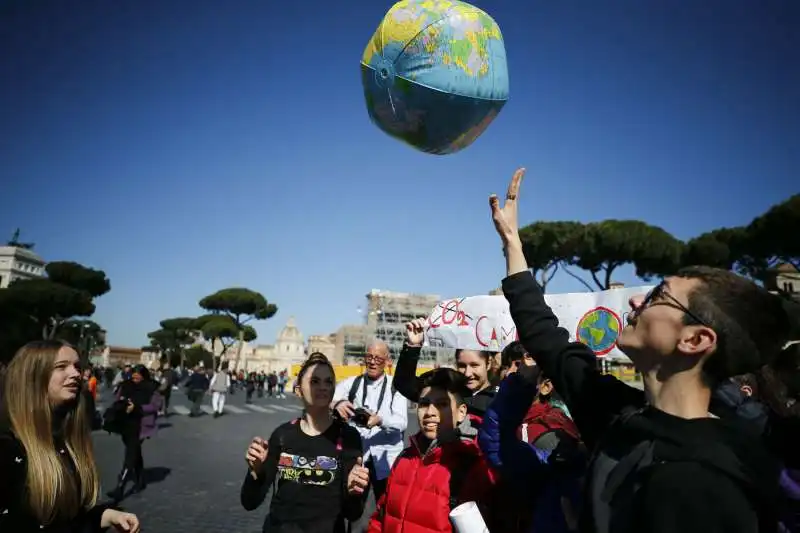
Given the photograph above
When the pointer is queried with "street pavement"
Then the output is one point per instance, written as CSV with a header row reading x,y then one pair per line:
x,y
195,466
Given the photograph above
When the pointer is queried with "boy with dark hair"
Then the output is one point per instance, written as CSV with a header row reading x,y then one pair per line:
x,y
661,464
515,356
443,466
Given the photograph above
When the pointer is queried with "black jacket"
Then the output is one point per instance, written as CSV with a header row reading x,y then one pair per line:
x,y
15,514
651,472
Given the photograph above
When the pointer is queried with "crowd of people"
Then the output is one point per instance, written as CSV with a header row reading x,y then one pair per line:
x,y
710,444
536,436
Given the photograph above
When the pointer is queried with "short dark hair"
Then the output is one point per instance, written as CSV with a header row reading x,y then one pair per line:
x,y
445,379
515,351
751,324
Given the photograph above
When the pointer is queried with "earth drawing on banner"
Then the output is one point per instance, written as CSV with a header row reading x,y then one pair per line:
x,y
599,329
434,74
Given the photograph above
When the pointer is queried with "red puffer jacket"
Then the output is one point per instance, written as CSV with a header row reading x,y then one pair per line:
x,y
417,498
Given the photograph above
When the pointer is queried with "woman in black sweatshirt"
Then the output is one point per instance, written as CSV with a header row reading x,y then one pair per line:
x,y
309,462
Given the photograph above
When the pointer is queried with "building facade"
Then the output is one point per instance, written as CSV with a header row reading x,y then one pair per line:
x,y
784,278
19,263
324,344
289,349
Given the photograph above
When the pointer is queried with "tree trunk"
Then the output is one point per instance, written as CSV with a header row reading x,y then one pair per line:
x,y
239,350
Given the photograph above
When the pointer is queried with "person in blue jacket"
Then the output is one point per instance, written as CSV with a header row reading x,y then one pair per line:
x,y
543,465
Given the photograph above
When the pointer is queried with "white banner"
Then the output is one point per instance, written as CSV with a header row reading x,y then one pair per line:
x,y
484,322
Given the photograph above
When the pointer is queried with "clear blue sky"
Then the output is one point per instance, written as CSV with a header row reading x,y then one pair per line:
x,y
188,146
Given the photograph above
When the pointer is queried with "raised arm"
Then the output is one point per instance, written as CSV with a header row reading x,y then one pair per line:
x,y
405,374
593,399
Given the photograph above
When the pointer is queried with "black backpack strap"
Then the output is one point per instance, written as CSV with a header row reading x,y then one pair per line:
x,y
351,397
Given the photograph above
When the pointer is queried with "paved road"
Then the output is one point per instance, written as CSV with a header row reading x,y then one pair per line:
x,y
195,466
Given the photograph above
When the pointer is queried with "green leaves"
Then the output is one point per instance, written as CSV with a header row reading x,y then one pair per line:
x,y
601,247
229,310
46,307
238,302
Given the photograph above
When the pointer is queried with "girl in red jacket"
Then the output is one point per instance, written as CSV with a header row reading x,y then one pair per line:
x,y
441,469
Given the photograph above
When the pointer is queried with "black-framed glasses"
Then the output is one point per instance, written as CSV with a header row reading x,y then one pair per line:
x,y
660,293
374,358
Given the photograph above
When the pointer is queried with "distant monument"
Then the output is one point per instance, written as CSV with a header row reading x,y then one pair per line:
x,y
16,244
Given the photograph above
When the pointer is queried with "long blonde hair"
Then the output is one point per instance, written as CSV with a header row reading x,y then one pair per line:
x,y
53,491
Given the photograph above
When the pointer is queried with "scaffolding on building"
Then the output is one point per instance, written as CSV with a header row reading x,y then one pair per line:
x,y
387,313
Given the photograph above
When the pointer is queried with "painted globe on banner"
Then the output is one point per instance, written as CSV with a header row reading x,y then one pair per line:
x,y
435,74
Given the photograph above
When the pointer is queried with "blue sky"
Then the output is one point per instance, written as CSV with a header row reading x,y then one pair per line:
x,y
185,147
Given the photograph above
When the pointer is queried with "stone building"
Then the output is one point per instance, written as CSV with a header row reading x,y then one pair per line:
x,y
17,262
288,350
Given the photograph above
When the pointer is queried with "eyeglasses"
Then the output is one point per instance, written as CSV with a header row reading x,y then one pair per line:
x,y
371,358
660,293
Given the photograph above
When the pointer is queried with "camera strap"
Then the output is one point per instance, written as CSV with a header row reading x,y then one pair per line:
x,y
358,382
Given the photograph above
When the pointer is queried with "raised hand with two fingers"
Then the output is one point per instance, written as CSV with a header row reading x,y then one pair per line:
x,y
415,332
505,218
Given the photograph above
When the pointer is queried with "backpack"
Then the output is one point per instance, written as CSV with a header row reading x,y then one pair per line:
x,y
351,396
659,450
542,419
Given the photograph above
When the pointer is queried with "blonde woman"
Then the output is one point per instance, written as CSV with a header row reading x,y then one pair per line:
x,y
49,478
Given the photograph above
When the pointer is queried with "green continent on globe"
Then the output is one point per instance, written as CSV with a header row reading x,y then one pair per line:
x,y
598,330
461,42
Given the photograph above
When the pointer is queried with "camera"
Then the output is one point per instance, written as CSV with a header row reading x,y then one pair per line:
x,y
360,416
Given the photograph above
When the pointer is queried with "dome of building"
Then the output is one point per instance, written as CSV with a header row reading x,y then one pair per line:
x,y
290,332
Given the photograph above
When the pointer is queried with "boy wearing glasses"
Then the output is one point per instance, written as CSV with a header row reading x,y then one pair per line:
x,y
661,463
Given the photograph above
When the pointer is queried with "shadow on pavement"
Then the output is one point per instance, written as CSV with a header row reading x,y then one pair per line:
x,y
156,474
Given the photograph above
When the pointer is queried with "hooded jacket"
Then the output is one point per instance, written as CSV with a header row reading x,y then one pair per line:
x,y
728,401
417,497
535,475
651,472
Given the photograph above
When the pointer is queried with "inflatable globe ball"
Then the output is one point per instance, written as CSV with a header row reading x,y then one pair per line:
x,y
435,74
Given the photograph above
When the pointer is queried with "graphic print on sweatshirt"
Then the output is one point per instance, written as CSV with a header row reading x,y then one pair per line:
x,y
319,470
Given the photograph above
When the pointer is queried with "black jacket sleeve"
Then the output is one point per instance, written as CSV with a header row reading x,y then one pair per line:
x,y
13,481
254,491
91,519
593,399
352,505
405,373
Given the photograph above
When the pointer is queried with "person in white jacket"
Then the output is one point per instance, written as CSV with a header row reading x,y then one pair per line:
x,y
220,385
370,403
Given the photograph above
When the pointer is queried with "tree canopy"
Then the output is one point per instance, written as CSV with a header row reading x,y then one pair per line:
x,y
41,307
548,246
84,334
241,304
196,355
229,312
173,337
223,330
599,248
225,323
